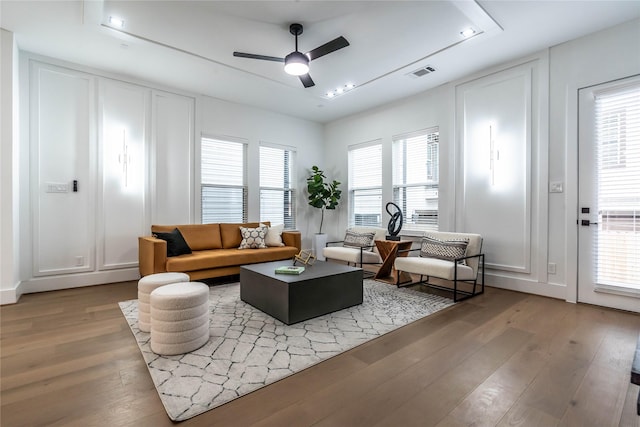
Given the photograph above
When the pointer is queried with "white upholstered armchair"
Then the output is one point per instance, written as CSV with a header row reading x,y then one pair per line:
x,y
455,257
358,246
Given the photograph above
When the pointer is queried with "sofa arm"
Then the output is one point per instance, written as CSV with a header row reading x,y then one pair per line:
x,y
152,255
292,238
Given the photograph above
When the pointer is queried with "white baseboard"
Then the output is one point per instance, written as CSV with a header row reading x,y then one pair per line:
x,y
9,296
528,286
43,284
67,281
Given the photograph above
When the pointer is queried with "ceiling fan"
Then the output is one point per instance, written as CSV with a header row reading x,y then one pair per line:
x,y
297,63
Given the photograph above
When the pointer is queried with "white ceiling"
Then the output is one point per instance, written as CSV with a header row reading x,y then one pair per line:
x,y
190,44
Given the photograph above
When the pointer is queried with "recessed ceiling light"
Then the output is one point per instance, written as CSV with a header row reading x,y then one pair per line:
x,y
340,90
467,32
116,22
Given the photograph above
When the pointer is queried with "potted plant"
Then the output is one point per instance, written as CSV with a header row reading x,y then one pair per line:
x,y
322,195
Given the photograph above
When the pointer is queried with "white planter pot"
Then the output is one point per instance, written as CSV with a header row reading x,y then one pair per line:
x,y
319,243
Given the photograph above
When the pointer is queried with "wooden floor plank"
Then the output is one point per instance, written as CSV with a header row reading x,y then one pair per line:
x,y
503,358
492,399
436,400
405,362
597,400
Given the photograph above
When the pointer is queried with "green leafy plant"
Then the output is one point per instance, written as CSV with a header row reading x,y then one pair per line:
x,y
322,195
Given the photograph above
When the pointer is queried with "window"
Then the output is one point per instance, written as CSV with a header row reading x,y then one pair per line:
x,y
223,182
617,130
365,184
277,195
415,178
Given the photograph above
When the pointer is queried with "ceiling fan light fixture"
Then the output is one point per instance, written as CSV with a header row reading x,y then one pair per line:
x,y
296,64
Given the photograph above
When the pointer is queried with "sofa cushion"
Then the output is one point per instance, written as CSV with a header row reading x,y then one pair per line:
x,y
443,249
176,244
440,268
253,238
352,255
198,236
217,258
354,239
274,235
379,233
230,233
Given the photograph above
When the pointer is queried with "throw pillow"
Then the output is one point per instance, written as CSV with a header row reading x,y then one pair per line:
x,y
253,238
443,249
274,235
353,239
176,245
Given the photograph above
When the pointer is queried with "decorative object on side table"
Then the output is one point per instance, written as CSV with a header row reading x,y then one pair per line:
x,y
305,257
322,195
395,222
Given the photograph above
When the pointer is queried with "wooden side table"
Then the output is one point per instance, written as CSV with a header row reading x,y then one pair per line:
x,y
388,250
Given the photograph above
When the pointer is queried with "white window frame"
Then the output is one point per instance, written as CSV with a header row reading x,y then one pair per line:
x,y
617,154
288,180
419,213
220,177
361,160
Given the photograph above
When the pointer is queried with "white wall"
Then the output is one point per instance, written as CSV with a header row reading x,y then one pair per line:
x,y
222,118
9,220
596,58
599,57
432,108
212,117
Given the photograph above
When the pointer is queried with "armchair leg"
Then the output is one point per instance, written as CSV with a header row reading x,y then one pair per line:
x,y
399,283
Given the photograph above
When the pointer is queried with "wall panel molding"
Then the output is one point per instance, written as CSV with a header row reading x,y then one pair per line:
x,y
494,181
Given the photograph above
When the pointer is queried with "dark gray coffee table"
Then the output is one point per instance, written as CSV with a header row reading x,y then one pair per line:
x,y
322,288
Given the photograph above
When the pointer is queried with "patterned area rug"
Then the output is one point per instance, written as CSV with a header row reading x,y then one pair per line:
x,y
248,349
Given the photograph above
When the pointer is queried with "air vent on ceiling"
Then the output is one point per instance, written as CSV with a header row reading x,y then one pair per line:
x,y
422,71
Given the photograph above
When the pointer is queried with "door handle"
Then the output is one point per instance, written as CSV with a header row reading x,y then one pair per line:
x,y
586,223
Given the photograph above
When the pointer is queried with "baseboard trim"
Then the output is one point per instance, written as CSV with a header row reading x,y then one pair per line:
x,y
52,283
528,286
10,296
68,281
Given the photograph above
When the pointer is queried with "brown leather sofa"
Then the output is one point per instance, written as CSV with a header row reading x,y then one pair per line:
x,y
214,249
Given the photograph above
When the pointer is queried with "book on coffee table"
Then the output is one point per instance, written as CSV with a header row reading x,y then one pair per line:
x,y
290,269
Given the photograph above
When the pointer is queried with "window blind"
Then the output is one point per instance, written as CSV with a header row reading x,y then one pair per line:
x,y
277,195
415,178
365,185
617,117
223,182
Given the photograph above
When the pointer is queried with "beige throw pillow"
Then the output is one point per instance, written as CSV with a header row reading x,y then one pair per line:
x,y
274,235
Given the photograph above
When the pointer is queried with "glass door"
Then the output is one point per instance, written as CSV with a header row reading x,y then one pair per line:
x,y
609,195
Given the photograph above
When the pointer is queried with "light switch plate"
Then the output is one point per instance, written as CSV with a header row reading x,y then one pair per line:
x,y
54,187
555,187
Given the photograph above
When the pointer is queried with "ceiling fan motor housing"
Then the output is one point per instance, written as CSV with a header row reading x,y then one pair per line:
x,y
295,29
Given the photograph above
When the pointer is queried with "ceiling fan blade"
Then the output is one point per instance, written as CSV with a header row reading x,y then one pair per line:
x,y
327,48
253,56
306,80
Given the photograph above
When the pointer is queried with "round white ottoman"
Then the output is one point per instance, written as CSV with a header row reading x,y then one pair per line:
x,y
148,284
179,318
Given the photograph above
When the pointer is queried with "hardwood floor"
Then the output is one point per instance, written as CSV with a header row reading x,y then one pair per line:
x,y
501,359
